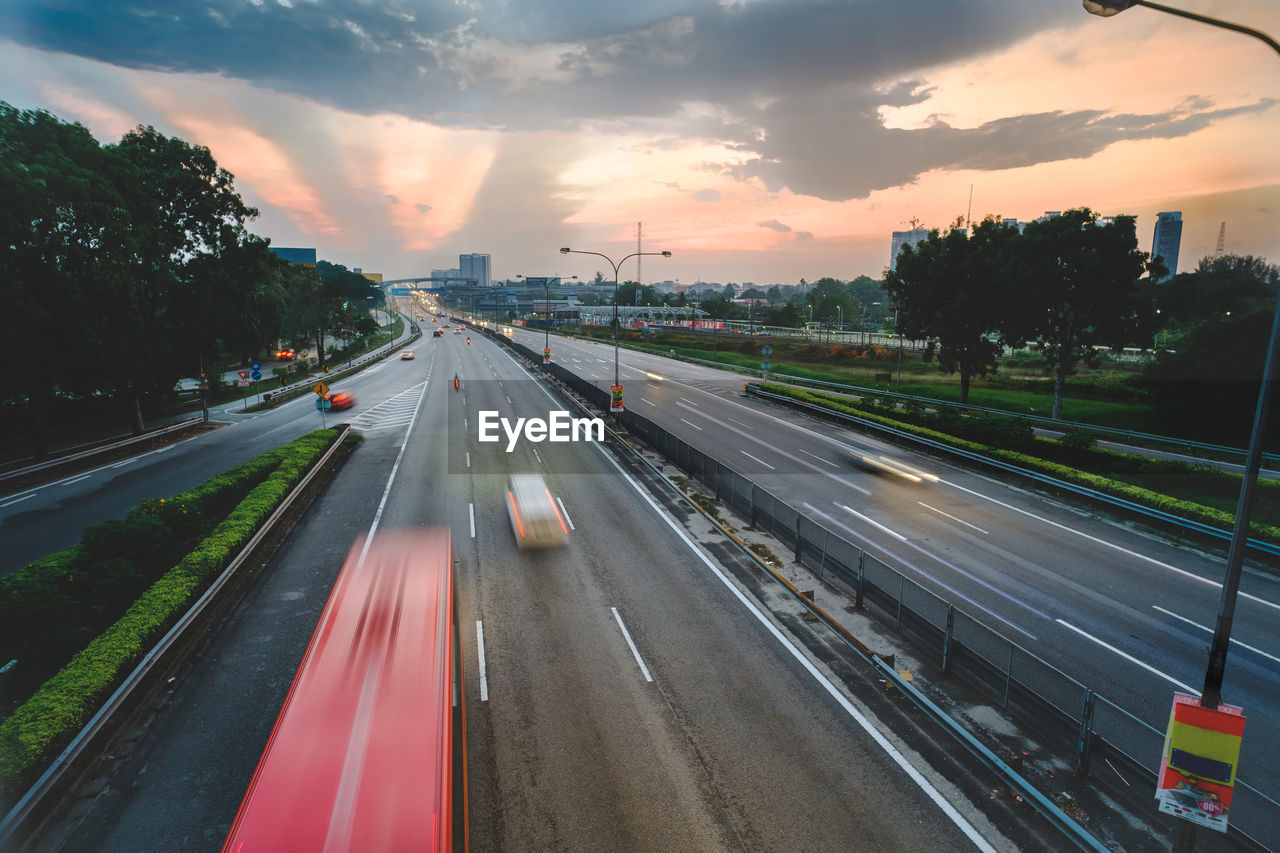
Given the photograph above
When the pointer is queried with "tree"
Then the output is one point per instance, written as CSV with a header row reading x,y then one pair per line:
x,y
65,230
1076,285
789,316
730,292
1221,285
949,287
774,294
185,211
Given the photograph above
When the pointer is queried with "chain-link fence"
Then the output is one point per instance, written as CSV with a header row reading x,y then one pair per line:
x,y
1099,737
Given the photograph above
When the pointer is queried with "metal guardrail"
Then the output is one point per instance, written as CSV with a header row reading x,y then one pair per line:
x,y
862,390
1043,804
1073,720
33,801
1167,518
102,448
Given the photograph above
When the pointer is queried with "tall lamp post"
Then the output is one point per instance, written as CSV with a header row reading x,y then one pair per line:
x,y
1211,694
567,251
546,317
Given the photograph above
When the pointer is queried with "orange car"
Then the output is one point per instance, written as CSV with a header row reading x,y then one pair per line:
x,y
336,400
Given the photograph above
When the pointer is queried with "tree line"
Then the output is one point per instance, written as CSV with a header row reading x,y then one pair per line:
x,y
129,266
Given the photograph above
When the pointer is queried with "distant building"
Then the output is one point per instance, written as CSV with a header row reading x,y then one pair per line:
x,y
475,266
1167,241
905,238
302,257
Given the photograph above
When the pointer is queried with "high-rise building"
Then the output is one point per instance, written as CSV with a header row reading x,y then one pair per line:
x,y
1167,240
475,266
905,238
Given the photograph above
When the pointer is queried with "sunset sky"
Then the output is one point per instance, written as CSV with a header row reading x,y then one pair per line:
x,y
757,140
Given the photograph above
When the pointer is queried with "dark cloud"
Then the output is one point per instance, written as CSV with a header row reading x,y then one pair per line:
x,y
422,208
797,86
775,225
706,195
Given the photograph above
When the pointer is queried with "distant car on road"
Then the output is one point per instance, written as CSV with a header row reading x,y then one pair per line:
x,y
336,400
285,355
436,333
407,355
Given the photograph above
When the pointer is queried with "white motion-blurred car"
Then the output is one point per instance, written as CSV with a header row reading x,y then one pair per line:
x,y
535,519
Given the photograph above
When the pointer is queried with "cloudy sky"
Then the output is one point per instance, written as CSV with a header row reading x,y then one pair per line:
x,y
757,140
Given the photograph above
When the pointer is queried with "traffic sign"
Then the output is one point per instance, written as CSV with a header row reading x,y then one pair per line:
x,y
320,388
257,374
764,365
766,351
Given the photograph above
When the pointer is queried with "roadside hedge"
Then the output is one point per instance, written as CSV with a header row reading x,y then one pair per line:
x,y
38,729
902,420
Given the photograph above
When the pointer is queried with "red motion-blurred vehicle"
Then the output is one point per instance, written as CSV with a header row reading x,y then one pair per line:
x,y
361,757
336,400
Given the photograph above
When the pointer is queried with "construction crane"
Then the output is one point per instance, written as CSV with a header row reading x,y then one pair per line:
x,y
913,222
1222,238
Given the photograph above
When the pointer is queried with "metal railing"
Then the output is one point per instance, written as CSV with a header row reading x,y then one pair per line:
x,y
1101,739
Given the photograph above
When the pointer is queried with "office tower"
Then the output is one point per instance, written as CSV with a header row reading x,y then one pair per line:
x,y
475,266
1167,241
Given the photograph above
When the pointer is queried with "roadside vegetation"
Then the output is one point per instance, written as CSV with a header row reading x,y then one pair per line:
x,y
129,266
73,624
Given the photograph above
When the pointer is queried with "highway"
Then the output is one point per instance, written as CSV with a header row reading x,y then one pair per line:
x,y
1122,610
734,743
621,694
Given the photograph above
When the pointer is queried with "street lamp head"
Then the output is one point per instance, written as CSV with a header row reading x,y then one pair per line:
x,y
1106,8
666,254
565,250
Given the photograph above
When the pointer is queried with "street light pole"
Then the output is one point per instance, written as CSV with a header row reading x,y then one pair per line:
x,y
568,251
1211,693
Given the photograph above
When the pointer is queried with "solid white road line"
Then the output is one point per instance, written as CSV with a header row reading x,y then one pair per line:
x,y
1209,630
18,499
857,716
761,461
484,678
567,519
1130,658
636,652
953,518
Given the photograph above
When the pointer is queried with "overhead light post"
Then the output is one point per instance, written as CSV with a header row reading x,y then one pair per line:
x,y
1211,693
567,251
546,317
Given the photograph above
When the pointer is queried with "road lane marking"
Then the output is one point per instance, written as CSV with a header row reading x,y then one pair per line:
x,y
761,461
126,462
634,650
814,455
468,458
1209,630
740,423
695,426
895,534
567,520
484,678
71,480
471,510
953,518
646,400
19,499
391,478
690,402
536,455
1130,658
843,701
905,563
1120,548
